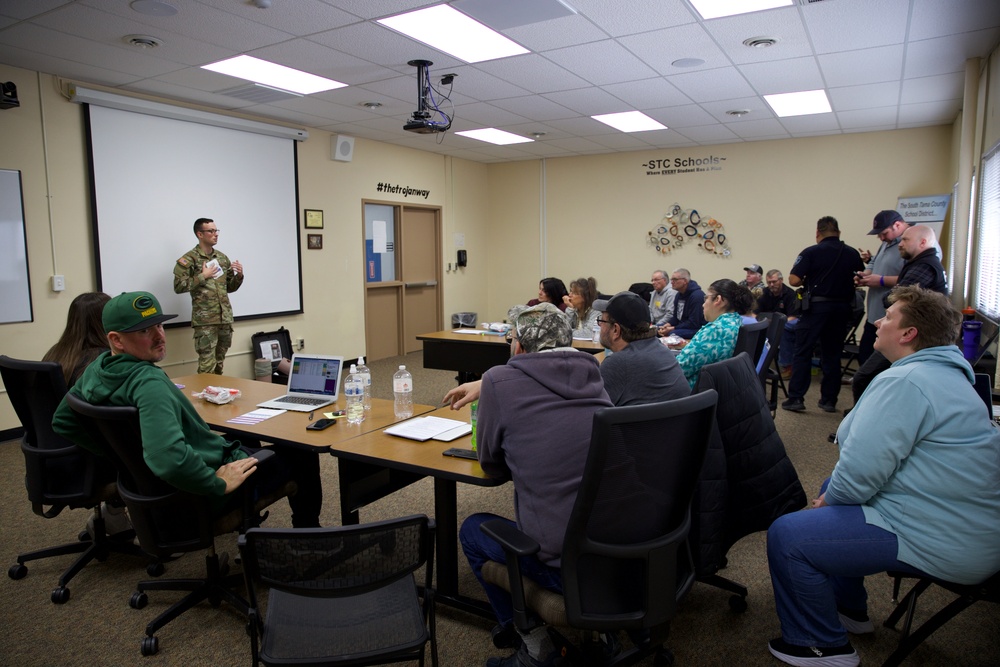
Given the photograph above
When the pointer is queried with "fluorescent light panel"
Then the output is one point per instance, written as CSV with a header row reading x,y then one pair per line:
x,y
713,9
799,104
630,121
494,136
451,31
271,74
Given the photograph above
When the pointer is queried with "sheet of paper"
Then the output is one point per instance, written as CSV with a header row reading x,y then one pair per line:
x,y
477,332
424,428
255,416
378,236
453,433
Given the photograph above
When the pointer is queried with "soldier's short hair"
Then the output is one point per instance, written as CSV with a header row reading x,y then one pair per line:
x,y
199,222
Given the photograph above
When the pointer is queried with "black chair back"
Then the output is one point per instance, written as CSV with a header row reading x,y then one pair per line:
x,y
985,390
58,474
751,340
775,330
625,550
166,520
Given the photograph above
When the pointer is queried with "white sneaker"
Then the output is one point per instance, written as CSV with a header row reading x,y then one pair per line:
x,y
115,521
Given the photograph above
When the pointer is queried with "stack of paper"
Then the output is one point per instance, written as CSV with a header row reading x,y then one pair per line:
x,y
426,428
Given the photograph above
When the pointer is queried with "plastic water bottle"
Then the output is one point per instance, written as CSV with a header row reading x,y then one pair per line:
x,y
366,376
402,391
355,392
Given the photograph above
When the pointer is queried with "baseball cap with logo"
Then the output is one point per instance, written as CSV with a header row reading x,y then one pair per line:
x,y
132,311
628,308
756,268
883,220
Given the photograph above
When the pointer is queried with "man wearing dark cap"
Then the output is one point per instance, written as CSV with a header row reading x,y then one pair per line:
x,y
880,274
753,281
642,369
533,426
827,269
178,446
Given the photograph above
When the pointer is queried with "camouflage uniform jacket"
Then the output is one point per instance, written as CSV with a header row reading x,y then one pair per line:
x,y
209,296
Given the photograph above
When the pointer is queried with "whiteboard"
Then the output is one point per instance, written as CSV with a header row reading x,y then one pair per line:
x,y
152,177
15,288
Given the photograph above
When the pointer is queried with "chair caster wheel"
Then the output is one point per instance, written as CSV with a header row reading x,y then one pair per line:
x,y
155,569
84,536
138,601
18,571
150,645
664,658
60,595
738,604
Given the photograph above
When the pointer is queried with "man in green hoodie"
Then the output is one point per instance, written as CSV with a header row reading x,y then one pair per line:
x,y
178,446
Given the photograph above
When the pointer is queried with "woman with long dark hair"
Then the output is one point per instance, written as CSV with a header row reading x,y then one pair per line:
x,y
83,339
551,290
725,302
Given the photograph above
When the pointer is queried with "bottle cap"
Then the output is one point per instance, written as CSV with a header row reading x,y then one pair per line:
x,y
361,361
354,369
402,368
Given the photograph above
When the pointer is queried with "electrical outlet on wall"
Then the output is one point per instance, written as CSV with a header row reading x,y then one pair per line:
x,y
300,343
58,283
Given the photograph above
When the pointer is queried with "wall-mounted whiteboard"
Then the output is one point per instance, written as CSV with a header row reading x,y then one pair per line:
x,y
15,290
152,177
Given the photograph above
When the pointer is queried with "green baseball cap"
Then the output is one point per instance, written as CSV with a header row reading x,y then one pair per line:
x,y
132,311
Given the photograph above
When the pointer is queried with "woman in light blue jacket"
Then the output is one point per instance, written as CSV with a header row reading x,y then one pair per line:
x,y
916,489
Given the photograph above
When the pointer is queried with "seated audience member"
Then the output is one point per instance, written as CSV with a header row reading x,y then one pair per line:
x,y
579,306
641,370
83,338
687,315
551,290
780,298
754,280
178,446
724,301
534,422
914,490
661,301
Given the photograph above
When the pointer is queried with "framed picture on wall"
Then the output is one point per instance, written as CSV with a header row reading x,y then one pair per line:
x,y
314,219
314,241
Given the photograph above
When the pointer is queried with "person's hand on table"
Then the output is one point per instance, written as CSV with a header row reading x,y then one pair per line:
x,y
664,330
236,472
463,394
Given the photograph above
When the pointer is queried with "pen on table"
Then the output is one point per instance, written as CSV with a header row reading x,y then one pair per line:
x,y
311,415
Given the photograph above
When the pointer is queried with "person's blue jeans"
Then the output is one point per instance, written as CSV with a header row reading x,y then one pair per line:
x,y
786,349
818,561
479,548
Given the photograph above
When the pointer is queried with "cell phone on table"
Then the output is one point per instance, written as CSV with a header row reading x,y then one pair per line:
x,y
461,453
321,424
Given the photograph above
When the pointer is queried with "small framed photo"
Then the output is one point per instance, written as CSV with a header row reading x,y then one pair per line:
x,y
314,241
314,219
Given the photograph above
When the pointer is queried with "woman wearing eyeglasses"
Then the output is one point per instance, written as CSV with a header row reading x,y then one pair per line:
x,y
579,306
725,303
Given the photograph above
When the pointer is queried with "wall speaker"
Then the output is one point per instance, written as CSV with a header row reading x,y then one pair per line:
x,y
342,148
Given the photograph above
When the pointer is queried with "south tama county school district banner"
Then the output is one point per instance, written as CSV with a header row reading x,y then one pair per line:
x,y
921,210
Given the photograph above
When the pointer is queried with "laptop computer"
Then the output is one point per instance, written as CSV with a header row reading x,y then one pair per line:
x,y
313,382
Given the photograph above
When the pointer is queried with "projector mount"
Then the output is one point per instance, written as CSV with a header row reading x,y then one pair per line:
x,y
428,118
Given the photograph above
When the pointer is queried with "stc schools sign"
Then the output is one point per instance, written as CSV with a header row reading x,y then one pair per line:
x,y
683,165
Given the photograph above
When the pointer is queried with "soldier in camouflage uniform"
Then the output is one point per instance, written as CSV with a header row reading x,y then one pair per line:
x,y
209,284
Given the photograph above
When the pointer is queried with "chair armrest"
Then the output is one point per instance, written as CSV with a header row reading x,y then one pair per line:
x,y
510,538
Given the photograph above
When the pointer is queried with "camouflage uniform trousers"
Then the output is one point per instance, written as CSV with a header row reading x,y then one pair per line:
x,y
211,343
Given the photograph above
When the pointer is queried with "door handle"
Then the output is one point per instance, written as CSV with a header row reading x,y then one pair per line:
x,y
427,283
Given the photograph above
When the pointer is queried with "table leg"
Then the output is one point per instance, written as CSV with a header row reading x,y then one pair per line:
x,y
446,518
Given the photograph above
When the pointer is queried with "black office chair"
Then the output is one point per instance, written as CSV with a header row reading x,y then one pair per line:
x,y
770,372
751,340
968,594
341,596
625,561
747,481
58,474
852,346
168,521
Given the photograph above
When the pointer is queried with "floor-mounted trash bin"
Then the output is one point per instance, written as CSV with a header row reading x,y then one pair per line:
x,y
463,320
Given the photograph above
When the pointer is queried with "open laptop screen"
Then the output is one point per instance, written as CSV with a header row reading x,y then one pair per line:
x,y
312,375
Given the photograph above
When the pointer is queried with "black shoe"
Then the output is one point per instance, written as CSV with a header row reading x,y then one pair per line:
x,y
810,656
827,406
505,636
522,659
794,405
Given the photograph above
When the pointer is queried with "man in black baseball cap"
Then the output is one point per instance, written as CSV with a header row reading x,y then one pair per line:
x,y
880,274
640,369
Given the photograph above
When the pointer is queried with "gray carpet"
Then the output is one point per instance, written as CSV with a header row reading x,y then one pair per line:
x,y
97,627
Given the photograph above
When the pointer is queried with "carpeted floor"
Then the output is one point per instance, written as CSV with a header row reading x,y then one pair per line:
x,y
97,627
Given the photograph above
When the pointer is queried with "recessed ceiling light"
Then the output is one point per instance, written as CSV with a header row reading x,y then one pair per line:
x,y
494,136
630,121
143,41
713,9
271,74
688,62
799,104
759,42
739,113
538,135
153,7
451,31
371,105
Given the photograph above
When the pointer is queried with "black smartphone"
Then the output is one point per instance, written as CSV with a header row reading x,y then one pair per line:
x,y
461,453
320,424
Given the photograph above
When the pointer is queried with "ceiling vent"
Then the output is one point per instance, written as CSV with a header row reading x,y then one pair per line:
x,y
259,94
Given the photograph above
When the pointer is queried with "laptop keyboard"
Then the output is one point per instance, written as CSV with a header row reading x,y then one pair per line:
x,y
296,400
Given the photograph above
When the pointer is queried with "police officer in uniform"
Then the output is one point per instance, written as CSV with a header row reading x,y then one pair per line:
x,y
209,276
827,269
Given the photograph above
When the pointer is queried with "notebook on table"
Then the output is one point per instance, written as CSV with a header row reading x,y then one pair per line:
x,y
313,383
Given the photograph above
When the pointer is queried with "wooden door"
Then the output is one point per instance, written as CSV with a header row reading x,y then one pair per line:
x,y
420,246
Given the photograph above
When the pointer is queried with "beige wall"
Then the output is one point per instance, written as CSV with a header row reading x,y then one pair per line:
x,y
768,195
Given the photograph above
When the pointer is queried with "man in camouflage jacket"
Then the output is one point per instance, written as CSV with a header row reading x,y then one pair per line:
x,y
209,276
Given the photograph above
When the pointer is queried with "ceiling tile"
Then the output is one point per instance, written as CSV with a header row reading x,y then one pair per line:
x,y
783,76
602,62
713,84
864,66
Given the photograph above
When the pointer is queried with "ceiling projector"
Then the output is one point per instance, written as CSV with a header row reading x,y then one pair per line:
x,y
423,121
